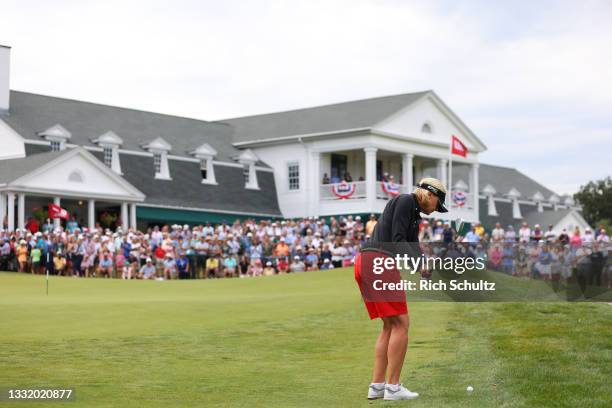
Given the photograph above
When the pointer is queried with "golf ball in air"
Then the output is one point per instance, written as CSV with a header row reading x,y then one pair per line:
x,y
470,388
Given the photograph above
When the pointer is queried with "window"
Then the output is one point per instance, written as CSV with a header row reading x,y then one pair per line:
x,y
293,171
56,135
338,167
75,176
426,128
245,173
204,169
157,162
108,156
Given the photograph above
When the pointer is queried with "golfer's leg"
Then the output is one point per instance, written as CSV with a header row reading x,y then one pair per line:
x,y
380,352
398,343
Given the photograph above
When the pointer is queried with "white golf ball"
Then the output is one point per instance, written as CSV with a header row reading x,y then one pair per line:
x,y
470,388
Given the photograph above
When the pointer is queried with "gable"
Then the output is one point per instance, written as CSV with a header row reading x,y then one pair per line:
x,y
442,123
572,220
77,173
11,142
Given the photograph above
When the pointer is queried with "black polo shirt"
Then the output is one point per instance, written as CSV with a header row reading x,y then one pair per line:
x,y
399,221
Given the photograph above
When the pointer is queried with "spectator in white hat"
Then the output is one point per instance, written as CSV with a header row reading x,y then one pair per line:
x,y
297,265
147,271
326,265
587,237
269,270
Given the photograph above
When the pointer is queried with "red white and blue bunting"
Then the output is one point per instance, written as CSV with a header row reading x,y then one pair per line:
x,y
343,190
390,188
459,198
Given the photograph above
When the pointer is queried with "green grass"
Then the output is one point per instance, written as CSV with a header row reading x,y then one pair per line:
x,y
289,341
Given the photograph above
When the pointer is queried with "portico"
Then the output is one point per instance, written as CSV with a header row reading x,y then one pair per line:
x,y
73,179
383,167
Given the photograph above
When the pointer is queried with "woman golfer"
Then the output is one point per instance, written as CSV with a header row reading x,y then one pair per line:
x,y
399,223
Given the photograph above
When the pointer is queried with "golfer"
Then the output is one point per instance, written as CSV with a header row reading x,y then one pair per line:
x,y
398,223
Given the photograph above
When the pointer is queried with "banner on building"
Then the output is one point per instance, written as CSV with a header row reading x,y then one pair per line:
x,y
390,188
343,190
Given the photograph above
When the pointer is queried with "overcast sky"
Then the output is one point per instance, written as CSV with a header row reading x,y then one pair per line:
x,y
533,79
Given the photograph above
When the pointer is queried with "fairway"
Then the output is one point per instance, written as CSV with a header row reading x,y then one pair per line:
x,y
294,340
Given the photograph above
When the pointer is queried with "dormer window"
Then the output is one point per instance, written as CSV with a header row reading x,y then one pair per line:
x,y
207,170
57,135
110,142
204,169
538,198
160,148
248,159
157,163
108,156
489,192
514,195
426,128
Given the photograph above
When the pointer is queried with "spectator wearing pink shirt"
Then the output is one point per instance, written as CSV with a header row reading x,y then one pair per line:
x,y
495,258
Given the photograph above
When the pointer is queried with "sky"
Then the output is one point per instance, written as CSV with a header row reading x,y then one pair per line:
x,y
533,79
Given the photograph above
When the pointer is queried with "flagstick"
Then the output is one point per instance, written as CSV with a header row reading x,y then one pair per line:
x,y
449,189
47,281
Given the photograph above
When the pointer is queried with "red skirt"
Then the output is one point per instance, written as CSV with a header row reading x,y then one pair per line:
x,y
381,308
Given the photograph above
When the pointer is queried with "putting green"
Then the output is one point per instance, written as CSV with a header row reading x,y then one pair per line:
x,y
294,340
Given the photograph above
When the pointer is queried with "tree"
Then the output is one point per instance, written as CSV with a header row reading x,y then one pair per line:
x,y
596,201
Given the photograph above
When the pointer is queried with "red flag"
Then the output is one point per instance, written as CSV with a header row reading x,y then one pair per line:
x,y
55,211
457,147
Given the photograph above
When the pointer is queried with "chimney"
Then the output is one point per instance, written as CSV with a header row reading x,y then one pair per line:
x,y
5,65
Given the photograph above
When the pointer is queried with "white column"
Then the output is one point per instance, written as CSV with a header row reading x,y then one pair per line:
x,y
133,216
315,166
91,214
124,217
2,209
370,176
57,221
474,189
11,211
407,176
442,171
21,211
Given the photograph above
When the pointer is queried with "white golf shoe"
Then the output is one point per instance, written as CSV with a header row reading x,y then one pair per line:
x,y
376,391
398,392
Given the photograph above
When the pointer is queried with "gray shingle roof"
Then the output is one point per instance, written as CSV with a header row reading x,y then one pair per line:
x,y
529,212
12,169
328,118
546,217
32,113
502,179
186,188
505,215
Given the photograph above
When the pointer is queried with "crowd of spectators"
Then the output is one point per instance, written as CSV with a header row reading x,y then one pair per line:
x,y
261,248
243,249
581,257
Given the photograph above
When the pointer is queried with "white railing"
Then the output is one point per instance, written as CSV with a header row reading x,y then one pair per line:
x,y
357,190
385,195
343,191
468,203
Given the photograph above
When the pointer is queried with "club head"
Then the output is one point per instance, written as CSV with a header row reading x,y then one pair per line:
x,y
459,225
